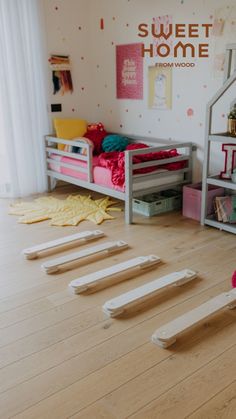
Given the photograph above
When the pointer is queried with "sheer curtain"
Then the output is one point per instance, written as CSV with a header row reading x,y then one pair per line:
x,y
23,98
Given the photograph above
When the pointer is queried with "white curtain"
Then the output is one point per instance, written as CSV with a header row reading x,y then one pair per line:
x,y
23,98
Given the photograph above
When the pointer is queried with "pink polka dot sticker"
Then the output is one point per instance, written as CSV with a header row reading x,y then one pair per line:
x,y
190,112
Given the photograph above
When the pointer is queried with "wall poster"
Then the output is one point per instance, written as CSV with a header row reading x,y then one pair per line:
x,y
129,71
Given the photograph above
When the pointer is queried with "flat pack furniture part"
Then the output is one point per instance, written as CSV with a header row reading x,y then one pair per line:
x,y
166,335
118,305
54,265
32,252
86,282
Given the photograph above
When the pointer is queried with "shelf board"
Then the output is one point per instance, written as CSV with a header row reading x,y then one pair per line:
x,y
231,228
217,181
222,137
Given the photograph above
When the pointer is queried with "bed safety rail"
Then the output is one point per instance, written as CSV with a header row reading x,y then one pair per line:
x,y
51,148
131,179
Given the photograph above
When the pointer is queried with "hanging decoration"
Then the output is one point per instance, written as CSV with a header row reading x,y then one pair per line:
x,y
61,74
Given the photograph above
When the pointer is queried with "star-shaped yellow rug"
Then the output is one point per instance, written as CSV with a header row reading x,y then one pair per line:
x,y
68,212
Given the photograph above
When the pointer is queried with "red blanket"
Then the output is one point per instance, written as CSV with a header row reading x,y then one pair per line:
x,y
115,161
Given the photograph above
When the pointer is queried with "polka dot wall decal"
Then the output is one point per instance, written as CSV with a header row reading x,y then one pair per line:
x,y
121,126
182,2
80,28
101,23
127,110
205,86
82,88
98,105
159,119
113,18
223,115
178,96
73,110
82,58
140,116
190,112
200,124
211,17
127,25
98,65
149,132
105,85
112,43
56,8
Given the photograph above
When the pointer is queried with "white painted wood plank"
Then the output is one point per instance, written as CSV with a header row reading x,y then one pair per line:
x,y
32,252
53,265
118,305
167,334
86,282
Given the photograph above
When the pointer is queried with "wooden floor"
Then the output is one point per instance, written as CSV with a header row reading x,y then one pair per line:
x,y
60,357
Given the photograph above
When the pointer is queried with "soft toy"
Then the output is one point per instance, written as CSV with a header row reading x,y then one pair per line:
x,y
96,133
114,142
96,127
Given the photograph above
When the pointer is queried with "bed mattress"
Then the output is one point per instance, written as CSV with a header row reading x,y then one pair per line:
x,y
102,175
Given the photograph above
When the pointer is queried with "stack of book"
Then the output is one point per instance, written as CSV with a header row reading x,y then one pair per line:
x,y
225,208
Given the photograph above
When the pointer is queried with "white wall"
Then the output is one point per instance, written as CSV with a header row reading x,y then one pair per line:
x,y
94,75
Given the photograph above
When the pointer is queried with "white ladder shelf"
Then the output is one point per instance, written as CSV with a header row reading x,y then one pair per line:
x,y
87,282
166,335
118,305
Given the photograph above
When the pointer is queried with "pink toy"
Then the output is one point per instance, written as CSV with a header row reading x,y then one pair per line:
x,y
234,280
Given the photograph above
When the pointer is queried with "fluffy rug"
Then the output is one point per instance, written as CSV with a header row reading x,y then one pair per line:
x,y
68,212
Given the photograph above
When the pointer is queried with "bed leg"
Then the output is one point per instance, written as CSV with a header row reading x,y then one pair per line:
x,y
128,211
50,184
128,188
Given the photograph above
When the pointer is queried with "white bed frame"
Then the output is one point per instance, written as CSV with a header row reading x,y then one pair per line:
x,y
134,183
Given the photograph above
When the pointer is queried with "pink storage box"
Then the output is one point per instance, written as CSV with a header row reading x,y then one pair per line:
x,y
192,199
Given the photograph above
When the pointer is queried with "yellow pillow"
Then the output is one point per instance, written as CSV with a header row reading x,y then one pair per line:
x,y
69,128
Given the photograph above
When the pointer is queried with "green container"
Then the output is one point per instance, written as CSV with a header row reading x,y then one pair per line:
x,y
158,203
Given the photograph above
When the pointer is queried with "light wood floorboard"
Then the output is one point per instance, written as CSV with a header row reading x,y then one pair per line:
x,y
61,357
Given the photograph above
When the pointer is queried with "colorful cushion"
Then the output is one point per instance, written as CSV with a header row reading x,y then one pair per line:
x,y
114,142
68,129
96,136
82,150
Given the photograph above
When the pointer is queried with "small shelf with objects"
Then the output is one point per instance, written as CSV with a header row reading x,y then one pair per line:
x,y
225,207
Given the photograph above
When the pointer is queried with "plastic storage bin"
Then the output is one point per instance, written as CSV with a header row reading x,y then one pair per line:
x,y
192,199
158,203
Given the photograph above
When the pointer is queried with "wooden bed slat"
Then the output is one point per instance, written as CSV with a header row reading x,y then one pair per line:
x,y
54,265
32,252
118,305
86,282
166,335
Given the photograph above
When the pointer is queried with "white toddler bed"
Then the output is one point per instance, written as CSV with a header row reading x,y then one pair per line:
x,y
82,170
